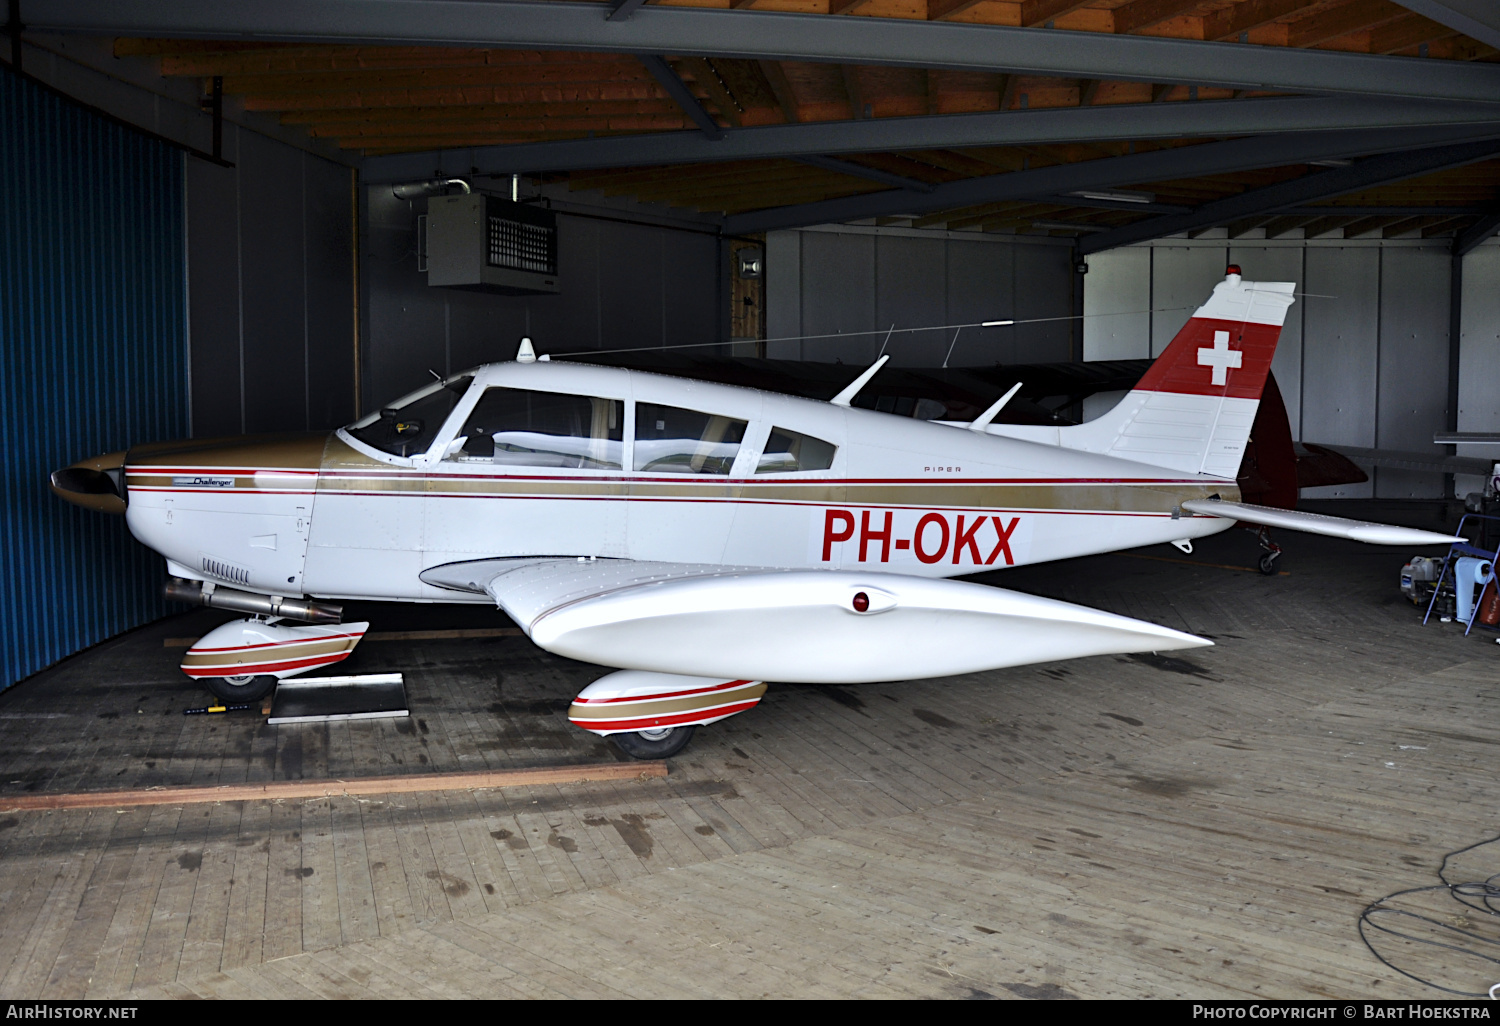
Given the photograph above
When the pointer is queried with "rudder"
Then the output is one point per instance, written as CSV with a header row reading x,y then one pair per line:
x,y
1193,409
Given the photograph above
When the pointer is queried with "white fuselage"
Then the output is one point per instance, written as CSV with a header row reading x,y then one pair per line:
x,y
345,519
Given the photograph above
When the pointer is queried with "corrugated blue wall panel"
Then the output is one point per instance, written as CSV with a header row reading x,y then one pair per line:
x,y
91,360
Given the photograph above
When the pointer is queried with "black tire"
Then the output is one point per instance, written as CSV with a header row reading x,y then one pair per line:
x,y
639,746
1268,563
240,689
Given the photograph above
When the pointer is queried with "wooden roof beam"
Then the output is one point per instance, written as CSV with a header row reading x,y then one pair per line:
x,y
1404,33
1232,23
708,79
1040,12
1353,16
1279,226
1144,14
781,88
939,10
1239,229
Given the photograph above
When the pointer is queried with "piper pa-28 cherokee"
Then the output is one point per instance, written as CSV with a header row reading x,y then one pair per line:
x,y
702,537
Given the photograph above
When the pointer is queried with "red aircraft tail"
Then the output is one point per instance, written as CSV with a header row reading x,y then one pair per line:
x,y
1193,409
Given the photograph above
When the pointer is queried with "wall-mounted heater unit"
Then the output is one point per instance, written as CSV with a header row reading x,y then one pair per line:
x,y
487,244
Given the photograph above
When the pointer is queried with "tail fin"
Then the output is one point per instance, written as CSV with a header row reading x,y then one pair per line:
x,y
1193,409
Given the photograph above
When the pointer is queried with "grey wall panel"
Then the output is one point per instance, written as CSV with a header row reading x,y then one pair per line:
x,y
689,304
631,286
623,286
214,294
981,287
270,290
272,274
477,331
1116,305
1479,357
328,232
910,291
1265,263
575,318
1340,353
1182,278
1413,383
783,295
838,296
1043,294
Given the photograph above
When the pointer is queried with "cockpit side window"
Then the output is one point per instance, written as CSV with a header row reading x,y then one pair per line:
x,y
522,428
669,440
787,451
408,426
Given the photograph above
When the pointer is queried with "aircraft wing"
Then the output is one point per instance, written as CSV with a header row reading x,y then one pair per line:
x,y
1318,523
795,626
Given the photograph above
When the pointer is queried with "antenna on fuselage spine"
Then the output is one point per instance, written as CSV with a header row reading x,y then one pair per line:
x,y
983,420
846,397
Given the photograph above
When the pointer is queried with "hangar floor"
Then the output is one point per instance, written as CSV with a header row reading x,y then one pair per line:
x,y
1111,827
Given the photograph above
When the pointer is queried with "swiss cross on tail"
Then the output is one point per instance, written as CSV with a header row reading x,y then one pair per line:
x,y
1220,357
1225,349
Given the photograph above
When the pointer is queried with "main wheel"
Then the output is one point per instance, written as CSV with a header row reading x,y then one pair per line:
x,y
1268,563
244,688
659,743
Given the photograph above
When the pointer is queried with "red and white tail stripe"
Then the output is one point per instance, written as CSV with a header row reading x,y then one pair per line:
x,y
1193,409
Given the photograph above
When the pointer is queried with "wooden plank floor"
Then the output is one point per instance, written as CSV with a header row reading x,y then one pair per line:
x,y
1201,826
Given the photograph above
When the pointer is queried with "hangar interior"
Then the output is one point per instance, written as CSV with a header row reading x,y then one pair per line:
x,y
220,221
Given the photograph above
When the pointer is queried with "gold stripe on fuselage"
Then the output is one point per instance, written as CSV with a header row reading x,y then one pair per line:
x,y
343,469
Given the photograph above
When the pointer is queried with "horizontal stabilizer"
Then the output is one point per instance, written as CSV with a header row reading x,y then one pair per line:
x,y
1317,523
794,626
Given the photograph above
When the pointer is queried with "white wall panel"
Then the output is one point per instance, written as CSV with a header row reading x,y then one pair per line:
x,y
1479,357
1116,301
1182,277
1413,373
1283,263
1341,354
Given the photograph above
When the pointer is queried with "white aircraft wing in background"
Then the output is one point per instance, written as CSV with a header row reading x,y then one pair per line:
x,y
802,626
1318,523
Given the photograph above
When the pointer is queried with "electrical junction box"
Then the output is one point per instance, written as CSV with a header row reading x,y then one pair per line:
x,y
487,244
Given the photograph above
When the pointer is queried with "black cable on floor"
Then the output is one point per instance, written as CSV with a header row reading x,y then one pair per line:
x,y
1479,896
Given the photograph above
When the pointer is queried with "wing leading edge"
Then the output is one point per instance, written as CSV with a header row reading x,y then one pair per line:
x,y
796,626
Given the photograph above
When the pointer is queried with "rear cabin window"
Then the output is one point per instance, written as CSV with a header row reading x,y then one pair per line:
x,y
408,426
787,451
669,440
520,428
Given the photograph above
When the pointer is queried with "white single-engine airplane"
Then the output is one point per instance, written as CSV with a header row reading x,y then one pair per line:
x,y
702,537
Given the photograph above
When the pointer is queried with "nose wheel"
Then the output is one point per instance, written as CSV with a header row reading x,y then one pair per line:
x,y
658,743
244,688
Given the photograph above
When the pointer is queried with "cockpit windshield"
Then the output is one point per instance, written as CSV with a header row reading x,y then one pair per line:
x,y
408,426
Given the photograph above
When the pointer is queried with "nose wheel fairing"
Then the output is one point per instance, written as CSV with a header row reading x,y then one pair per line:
x,y
257,648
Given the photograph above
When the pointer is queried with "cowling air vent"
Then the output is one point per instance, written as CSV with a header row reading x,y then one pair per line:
x,y
225,571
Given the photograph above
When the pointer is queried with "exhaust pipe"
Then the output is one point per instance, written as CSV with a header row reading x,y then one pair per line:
x,y
178,590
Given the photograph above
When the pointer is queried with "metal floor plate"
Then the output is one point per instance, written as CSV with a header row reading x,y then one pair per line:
x,y
362,697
